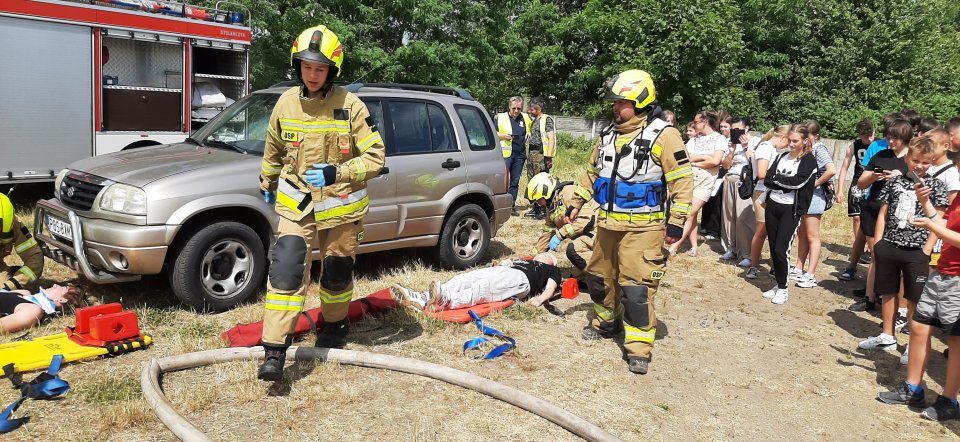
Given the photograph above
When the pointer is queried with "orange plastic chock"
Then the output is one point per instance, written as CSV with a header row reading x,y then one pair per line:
x,y
106,323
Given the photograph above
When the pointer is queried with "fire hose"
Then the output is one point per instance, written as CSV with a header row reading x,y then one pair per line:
x,y
182,428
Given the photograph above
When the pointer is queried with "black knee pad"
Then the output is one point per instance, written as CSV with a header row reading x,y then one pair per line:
x,y
595,287
287,259
337,272
636,304
575,257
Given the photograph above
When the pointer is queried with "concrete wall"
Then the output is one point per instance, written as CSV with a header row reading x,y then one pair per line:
x,y
588,128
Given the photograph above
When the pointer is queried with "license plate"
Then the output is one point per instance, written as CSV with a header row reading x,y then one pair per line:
x,y
60,228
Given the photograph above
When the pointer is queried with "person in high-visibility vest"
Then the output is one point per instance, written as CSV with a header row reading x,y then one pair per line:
x,y
322,147
543,145
638,169
513,129
16,238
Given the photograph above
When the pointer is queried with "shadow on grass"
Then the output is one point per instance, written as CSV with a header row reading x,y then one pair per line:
x,y
886,363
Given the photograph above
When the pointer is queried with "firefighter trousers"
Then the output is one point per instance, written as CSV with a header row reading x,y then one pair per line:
x,y
289,277
622,276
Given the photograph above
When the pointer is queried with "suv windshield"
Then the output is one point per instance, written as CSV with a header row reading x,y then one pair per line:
x,y
241,126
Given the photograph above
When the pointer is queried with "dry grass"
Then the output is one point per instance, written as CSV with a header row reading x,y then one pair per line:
x,y
732,366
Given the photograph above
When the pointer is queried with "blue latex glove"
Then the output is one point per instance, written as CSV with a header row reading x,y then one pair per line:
x,y
269,197
554,243
314,177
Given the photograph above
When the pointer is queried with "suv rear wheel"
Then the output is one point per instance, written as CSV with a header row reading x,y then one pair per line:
x,y
222,265
465,237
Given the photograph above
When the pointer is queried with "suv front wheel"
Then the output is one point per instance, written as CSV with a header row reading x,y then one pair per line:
x,y
220,266
465,237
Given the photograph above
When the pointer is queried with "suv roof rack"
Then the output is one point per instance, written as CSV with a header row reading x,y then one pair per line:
x,y
462,93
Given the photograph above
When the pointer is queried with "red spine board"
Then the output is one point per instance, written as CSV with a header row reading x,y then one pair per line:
x,y
93,15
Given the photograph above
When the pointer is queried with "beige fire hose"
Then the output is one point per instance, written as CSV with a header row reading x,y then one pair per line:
x,y
182,428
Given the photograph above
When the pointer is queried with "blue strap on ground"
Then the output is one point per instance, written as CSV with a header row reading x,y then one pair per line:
x,y
47,385
477,343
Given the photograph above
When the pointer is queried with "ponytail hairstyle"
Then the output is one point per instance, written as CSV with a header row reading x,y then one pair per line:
x,y
804,132
713,119
781,131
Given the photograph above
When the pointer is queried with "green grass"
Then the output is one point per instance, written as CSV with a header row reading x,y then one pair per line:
x,y
107,391
522,312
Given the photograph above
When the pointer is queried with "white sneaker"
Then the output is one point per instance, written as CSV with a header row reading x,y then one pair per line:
x,y
808,280
411,298
904,358
879,342
728,255
745,262
769,294
781,297
795,273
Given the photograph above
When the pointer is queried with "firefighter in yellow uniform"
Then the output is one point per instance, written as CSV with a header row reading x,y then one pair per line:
x,y
15,237
322,146
631,162
545,191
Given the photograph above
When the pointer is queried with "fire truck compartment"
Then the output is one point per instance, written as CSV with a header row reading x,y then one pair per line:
x,y
47,114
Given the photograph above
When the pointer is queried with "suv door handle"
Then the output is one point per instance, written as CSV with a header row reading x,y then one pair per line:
x,y
450,164
384,170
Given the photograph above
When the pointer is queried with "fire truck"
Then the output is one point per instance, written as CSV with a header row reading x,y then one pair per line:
x,y
83,77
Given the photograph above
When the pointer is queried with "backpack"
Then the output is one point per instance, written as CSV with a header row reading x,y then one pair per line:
x,y
747,182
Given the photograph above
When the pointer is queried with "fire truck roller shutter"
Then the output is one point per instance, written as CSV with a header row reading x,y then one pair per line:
x,y
46,114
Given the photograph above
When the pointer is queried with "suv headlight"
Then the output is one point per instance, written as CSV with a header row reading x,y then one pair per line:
x,y
124,199
58,182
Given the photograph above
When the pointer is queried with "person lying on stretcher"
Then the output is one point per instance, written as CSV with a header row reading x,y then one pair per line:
x,y
510,278
19,309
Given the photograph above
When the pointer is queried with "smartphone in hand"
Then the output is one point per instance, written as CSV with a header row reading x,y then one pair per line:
x,y
877,169
915,178
735,135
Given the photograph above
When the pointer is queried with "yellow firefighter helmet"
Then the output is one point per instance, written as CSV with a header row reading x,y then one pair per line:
x,y
632,85
317,44
541,185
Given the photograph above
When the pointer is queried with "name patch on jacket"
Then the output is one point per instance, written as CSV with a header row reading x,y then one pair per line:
x,y
341,114
291,135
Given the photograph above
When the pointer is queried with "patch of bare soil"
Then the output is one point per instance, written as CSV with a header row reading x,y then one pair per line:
x,y
731,365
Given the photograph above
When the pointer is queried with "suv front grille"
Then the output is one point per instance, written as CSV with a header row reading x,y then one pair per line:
x,y
78,190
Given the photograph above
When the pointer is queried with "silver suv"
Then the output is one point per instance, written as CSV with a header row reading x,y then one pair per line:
x,y
193,210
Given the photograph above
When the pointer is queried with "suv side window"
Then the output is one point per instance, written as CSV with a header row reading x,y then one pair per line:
x,y
478,132
419,127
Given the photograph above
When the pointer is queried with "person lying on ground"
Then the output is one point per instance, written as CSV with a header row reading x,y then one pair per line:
x,y
20,309
535,280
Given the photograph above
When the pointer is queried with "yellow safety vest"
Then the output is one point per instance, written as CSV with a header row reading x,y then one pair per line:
x,y
548,151
503,125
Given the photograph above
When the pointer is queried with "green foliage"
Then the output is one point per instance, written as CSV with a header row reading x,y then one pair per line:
x,y
774,60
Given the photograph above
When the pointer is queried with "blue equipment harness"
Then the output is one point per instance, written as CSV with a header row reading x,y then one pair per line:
x,y
47,385
477,343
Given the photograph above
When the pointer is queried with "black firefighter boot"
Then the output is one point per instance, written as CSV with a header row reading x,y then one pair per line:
x,y
334,334
272,368
638,365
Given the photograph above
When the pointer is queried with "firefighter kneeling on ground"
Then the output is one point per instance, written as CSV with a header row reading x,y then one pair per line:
x,y
14,236
554,197
322,146
632,160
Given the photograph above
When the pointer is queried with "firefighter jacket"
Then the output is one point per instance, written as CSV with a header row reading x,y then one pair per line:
x,y
336,130
504,126
638,169
18,239
559,208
